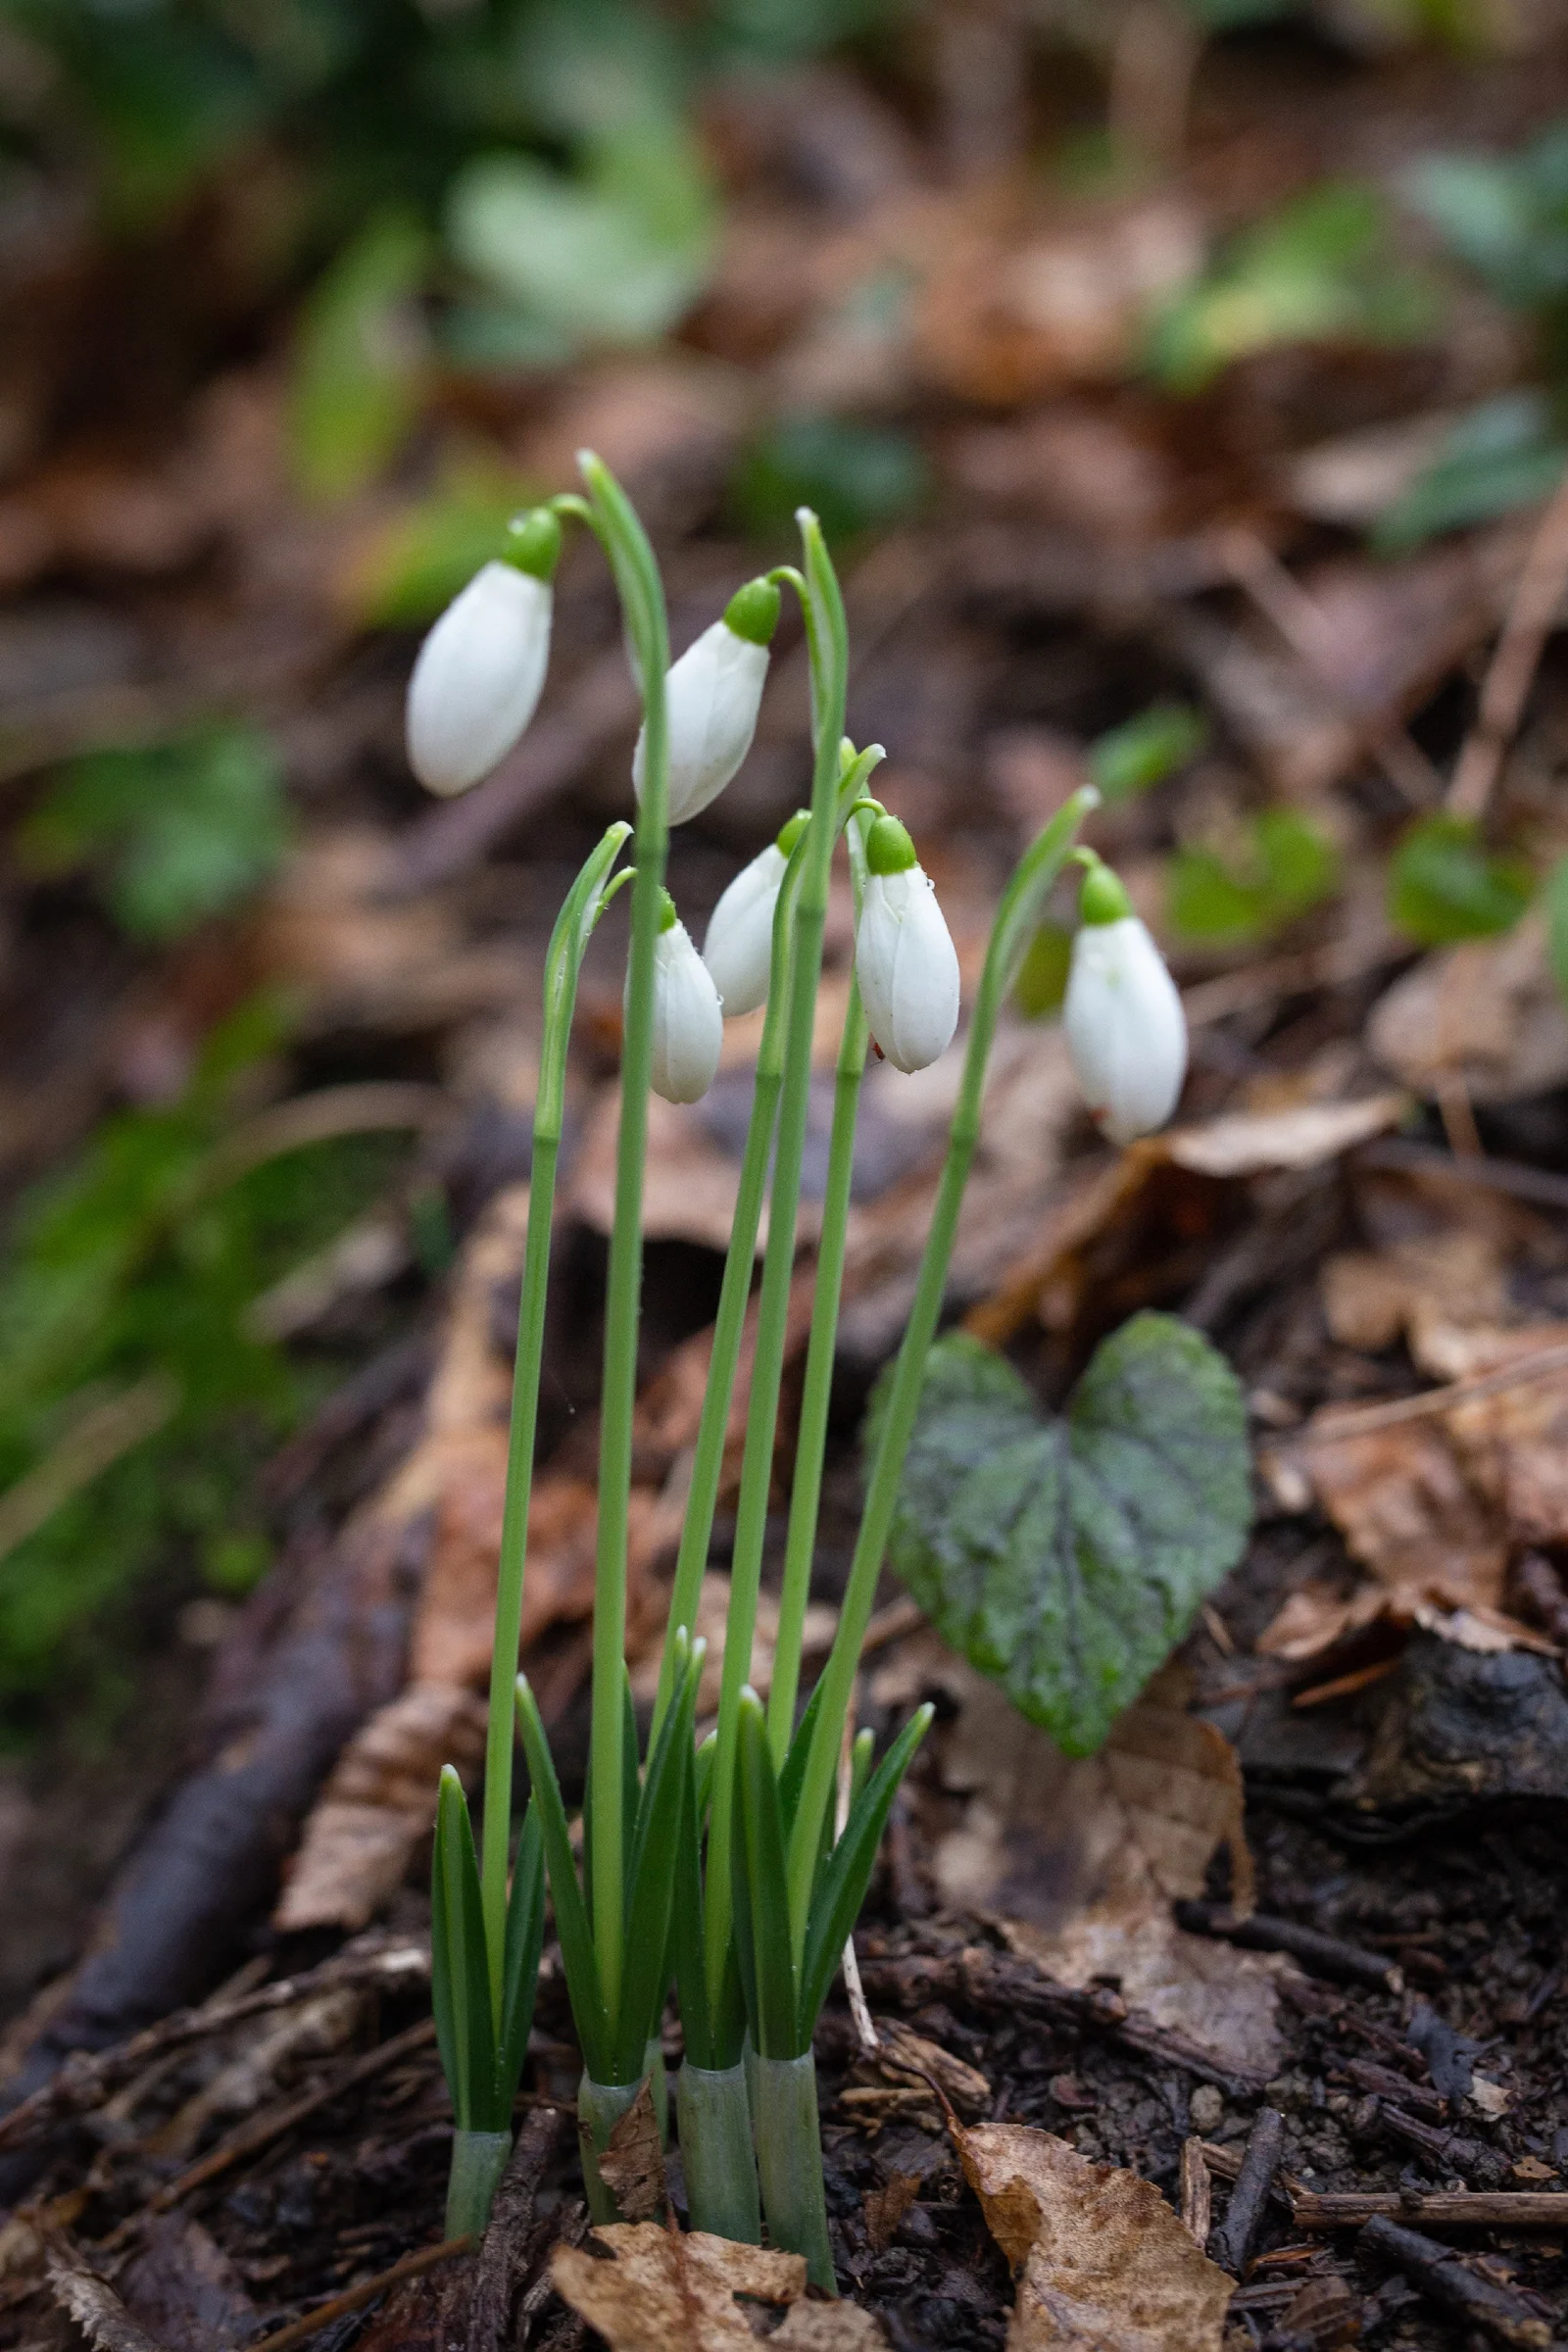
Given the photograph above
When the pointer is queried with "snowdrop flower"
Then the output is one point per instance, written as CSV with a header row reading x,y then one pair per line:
x,y
714,694
1126,1031
739,947
904,959
480,671
688,1024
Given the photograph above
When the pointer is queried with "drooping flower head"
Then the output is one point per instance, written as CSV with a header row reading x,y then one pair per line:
x,y
714,694
904,959
1125,1028
739,947
480,671
688,1023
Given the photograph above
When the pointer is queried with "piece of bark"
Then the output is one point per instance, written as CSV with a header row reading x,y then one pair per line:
x,y
210,1863
1233,2241
1438,2272
509,2250
1197,2187
1325,1955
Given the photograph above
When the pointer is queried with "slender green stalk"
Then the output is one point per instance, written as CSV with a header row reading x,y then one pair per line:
x,y
562,962
829,671
1032,878
643,602
805,1494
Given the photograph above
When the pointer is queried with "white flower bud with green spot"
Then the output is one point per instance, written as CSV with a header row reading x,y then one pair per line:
x,y
739,947
904,959
479,673
1125,1028
714,694
688,1022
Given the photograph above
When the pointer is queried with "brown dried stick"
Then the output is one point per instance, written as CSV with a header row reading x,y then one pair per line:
x,y
355,2298
1441,2208
1514,661
1443,2274
1234,2239
1362,1420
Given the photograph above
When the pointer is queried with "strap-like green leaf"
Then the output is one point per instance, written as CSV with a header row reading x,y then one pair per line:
x,y
691,1974
645,1968
763,1888
459,1972
520,1971
793,1773
571,1913
841,1888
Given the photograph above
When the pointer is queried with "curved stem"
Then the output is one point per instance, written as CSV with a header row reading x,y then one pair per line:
x,y
1031,879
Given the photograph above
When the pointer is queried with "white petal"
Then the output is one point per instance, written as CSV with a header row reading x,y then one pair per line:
x,y
908,968
714,693
739,947
1125,1028
479,677
688,1022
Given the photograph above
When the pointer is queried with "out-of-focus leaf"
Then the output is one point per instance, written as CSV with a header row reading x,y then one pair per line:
x,y
1143,751
858,477
1322,270
166,96
1506,216
800,27
614,256
358,358
1554,897
1445,884
1506,454
176,832
415,566
1041,981
1286,868
1067,1558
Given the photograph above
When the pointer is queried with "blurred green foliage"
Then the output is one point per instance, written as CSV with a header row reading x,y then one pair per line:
x,y
1284,870
1323,269
1446,885
1042,982
415,566
174,833
360,356
858,477
1143,751
1505,454
135,1266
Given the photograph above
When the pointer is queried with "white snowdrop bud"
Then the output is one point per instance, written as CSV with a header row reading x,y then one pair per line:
x,y
713,696
1125,1028
904,959
479,673
739,947
688,1023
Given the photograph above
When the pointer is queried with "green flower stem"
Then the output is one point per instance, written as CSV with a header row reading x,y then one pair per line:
x,y
805,1494
479,2160
1031,879
642,598
825,626
716,2153
562,963
789,2160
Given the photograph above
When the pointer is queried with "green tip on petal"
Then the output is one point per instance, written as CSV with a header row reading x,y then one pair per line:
x,y
753,613
533,542
667,917
790,833
1103,900
888,849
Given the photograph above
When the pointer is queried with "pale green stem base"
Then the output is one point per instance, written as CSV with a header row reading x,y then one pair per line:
x,y
479,2160
716,2151
659,2084
599,2108
789,2160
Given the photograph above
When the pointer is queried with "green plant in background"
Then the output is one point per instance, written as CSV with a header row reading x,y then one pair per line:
x,y
173,833
1286,868
360,357
135,1395
1446,885
1323,269
857,478
1144,750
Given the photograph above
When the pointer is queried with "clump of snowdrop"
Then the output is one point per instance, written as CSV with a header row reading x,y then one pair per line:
x,y
714,694
480,671
1123,1019
688,1022
904,959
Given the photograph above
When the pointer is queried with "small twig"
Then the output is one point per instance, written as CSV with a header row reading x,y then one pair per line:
x,y
1441,2208
1324,1956
1442,2274
1197,2190
865,2030
1234,2239
1360,1421
355,2298
1514,661
262,2129
1509,1176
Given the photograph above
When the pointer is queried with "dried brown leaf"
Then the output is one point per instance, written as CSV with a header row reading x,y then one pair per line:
x,y
633,2163
1487,1012
669,2292
96,2309
886,2207
1107,2266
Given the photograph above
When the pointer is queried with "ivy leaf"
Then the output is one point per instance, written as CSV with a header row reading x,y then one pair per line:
x,y
1067,1557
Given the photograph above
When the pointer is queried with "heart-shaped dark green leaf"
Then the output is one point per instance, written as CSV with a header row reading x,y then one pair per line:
x,y
1069,1557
